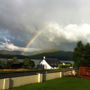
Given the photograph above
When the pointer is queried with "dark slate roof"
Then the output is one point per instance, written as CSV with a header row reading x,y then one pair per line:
x,y
52,62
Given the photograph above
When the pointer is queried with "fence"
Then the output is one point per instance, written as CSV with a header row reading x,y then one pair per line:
x,y
84,72
11,70
7,83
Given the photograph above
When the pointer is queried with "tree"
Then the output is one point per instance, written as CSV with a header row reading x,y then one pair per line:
x,y
4,63
77,54
87,55
14,60
14,63
28,63
81,55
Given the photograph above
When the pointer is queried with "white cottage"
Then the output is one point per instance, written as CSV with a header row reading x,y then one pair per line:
x,y
49,63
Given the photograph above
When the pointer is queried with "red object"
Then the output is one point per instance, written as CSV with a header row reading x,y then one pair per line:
x,y
84,72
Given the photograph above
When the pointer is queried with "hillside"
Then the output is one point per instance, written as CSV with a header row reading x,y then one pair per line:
x,y
62,55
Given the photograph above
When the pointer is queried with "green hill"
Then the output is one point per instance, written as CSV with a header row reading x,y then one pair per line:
x,y
62,55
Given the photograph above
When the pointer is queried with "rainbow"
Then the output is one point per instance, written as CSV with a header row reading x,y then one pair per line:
x,y
36,35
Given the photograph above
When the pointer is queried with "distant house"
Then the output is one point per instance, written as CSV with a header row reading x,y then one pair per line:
x,y
67,62
36,62
49,63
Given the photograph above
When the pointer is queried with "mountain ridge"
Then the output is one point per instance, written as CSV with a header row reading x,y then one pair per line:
x,y
53,53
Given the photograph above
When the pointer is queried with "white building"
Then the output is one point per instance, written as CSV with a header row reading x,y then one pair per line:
x,y
49,63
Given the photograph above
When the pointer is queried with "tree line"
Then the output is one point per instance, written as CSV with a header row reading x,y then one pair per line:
x,y
14,63
81,55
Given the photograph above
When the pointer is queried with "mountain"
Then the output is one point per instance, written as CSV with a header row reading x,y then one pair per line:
x,y
62,55
39,52
52,53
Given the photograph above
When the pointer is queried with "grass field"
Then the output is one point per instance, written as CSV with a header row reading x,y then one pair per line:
x,y
59,84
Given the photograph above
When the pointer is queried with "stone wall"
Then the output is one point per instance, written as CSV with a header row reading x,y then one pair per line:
x,y
50,76
7,83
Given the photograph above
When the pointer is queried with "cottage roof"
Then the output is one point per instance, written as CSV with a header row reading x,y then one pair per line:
x,y
52,62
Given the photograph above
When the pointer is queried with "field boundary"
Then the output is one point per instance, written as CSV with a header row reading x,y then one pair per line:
x,y
7,83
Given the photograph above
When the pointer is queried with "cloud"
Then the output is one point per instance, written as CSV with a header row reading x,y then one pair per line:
x,y
7,45
61,37
20,16
21,19
71,32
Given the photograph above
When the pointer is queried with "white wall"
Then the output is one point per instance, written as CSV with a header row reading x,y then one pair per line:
x,y
24,80
46,65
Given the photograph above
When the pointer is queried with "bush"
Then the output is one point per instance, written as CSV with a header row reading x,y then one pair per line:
x,y
65,66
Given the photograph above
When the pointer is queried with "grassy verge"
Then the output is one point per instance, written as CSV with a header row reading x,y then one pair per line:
x,y
59,84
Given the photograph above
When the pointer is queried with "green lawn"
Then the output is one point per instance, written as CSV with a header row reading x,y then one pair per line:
x,y
59,84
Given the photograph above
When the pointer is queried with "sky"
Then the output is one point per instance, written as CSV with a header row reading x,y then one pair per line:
x,y
61,23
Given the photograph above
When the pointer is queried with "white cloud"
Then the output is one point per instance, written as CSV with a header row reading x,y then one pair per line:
x,y
54,35
71,32
7,45
19,20
58,36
